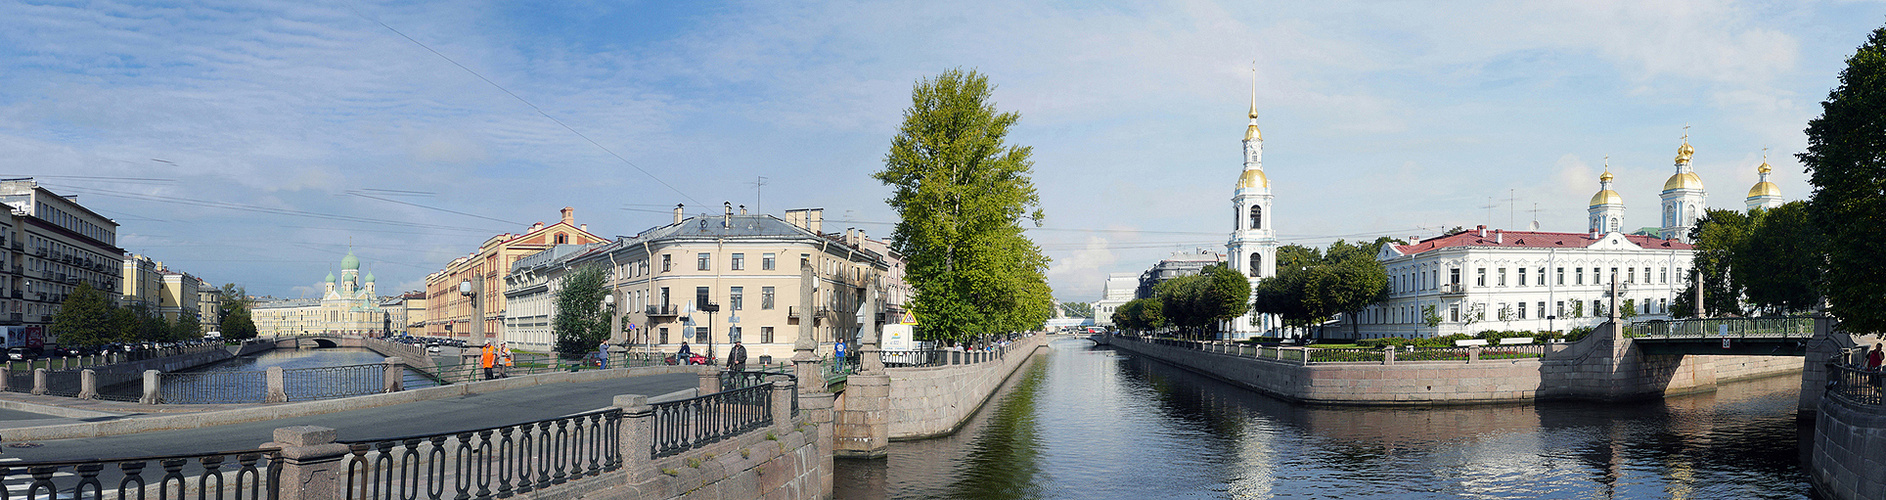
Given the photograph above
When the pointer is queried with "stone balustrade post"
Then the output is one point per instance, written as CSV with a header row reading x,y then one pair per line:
x,y
1473,354
394,377
873,361
314,467
39,380
638,437
782,400
709,380
88,384
6,377
153,387
1388,355
275,386
1305,351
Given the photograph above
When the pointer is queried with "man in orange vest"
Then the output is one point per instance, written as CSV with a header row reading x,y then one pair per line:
x,y
488,358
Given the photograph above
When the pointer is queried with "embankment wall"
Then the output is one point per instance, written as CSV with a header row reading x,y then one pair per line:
x,y
935,401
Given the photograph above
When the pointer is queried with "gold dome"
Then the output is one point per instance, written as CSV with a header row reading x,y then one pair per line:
x,y
1606,177
1251,133
1686,180
1764,168
1683,152
1764,188
1606,197
1253,178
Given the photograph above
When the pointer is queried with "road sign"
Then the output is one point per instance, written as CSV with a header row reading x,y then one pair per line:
x,y
733,319
1725,342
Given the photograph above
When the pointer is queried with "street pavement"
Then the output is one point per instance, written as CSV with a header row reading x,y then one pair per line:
x,y
473,411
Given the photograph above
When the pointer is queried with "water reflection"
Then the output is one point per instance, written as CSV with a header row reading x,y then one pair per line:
x,y
287,359
1081,422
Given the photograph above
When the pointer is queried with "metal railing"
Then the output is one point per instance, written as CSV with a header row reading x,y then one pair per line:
x,y
690,423
1736,327
837,369
328,382
1854,385
212,387
915,359
1314,355
232,475
496,462
1346,355
1460,354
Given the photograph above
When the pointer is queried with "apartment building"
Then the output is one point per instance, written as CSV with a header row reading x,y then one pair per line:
x,y
449,293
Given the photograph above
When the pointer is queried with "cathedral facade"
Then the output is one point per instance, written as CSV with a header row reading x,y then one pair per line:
x,y
1252,249
347,306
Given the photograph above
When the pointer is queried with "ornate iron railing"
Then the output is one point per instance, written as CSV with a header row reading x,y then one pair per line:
x,y
687,424
1460,354
232,475
328,382
1346,355
1736,327
212,387
496,462
916,359
1855,385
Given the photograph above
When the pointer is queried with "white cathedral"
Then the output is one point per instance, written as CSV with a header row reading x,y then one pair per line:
x,y
1252,249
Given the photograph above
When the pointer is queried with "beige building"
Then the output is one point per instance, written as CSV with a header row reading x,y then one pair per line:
x,y
178,296
347,306
405,313
209,302
449,312
53,244
708,279
142,282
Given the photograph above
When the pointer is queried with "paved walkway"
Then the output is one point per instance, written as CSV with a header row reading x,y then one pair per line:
x,y
474,411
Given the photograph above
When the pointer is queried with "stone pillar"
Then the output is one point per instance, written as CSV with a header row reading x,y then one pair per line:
x,y
39,380
862,429
638,442
1473,354
153,387
870,359
314,467
783,392
816,409
709,381
6,377
1827,343
88,384
275,386
1388,355
805,364
395,375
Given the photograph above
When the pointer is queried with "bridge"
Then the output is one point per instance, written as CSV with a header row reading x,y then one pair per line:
x,y
1779,336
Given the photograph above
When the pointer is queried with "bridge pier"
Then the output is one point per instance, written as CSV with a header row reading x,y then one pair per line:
x,y
1828,342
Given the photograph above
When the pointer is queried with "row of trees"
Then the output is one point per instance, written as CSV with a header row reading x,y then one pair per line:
x,y
89,317
1194,304
1763,261
1312,286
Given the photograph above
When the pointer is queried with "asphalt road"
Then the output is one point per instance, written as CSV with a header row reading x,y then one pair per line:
x,y
475,411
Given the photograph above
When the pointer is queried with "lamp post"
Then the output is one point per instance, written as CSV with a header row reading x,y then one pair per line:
x,y
471,289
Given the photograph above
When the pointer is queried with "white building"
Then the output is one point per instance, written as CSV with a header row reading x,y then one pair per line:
x,y
1119,291
1252,250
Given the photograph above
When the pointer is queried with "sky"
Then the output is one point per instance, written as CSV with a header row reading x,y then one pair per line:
x,y
256,142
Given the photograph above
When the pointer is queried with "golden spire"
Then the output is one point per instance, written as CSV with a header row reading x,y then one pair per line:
x,y
1683,152
1607,170
1764,169
1250,132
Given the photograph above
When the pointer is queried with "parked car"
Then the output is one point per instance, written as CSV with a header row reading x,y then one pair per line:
x,y
21,354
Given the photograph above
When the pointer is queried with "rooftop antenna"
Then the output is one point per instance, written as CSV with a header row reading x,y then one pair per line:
x,y
1512,197
1535,216
1489,206
757,183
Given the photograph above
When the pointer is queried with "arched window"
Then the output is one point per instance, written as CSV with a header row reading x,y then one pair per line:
x,y
1257,263
1257,217
563,239
1614,224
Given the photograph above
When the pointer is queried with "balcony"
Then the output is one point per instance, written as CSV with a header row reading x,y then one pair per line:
x,y
41,252
792,312
1453,289
18,247
19,294
668,310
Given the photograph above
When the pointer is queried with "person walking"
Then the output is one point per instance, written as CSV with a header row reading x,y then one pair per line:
x,y
737,358
504,360
684,356
487,358
602,355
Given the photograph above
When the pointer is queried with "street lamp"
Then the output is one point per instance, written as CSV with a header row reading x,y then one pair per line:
x,y
609,308
469,290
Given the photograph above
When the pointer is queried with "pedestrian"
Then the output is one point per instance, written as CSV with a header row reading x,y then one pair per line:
x,y
602,355
487,358
737,358
684,356
838,350
504,360
1874,358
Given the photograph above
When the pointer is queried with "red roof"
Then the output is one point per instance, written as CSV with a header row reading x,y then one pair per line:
x,y
1495,238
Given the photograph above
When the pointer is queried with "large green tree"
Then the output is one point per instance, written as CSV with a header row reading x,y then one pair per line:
x,y
1140,315
1846,163
187,327
580,324
962,194
236,324
1779,263
1313,286
85,318
1718,237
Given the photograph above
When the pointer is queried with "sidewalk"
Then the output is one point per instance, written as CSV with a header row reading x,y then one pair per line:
x,y
471,411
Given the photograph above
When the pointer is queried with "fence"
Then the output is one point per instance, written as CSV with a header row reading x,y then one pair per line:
x,y
1736,327
212,387
531,364
690,423
1313,355
328,382
1854,385
232,475
500,461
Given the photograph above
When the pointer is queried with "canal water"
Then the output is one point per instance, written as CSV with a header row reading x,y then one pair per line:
x,y
290,359
1086,422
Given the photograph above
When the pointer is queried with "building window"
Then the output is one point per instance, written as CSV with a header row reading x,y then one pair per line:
x,y
1257,217
1453,275
1561,276
766,262
735,296
1522,276
1453,313
766,335
1502,276
700,296
1663,305
1597,308
1614,274
766,298
1480,277
563,239
1663,275
1541,310
667,262
1646,275
1630,275
1578,276
664,335
1257,263
703,261
1522,310
1540,280
701,334
1560,307
738,263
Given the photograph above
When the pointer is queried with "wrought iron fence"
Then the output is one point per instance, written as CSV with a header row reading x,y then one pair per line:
x,y
328,382
686,424
212,387
232,475
496,462
1854,385
1461,354
838,368
20,381
63,383
1345,355
1512,351
1736,327
915,359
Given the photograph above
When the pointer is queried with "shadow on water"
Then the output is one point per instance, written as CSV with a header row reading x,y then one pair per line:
x,y
1083,422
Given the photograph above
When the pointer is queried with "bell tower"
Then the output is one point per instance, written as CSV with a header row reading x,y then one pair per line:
x,y
1252,249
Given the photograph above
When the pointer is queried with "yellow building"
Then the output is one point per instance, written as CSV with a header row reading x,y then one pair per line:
x,y
449,312
347,307
52,245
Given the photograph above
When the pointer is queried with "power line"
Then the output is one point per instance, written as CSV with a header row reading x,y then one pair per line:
x,y
411,204
262,209
540,111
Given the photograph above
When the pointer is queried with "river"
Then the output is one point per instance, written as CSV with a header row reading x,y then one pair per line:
x,y
1086,422
287,359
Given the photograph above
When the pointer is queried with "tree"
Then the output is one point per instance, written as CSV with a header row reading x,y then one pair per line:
x,y
237,325
1627,309
1078,309
1312,286
84,319
961,195
1779,263
234,297
152,327
580,323
1228,294
1139,314
187,327
1848,170
1718,236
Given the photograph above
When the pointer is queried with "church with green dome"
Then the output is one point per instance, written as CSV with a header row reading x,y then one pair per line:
x,y
348,306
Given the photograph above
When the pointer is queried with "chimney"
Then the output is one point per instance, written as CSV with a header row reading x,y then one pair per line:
x,y
1499,236
569,215
535,227
726,217
815,219
743,209
678,213
851,236
583,228
1482,229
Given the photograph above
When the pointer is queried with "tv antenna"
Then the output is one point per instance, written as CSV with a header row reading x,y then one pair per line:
x,y
757,183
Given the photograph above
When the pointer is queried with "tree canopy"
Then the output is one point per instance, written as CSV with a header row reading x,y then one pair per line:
x,y
581,324
1313,286
1757,261
86,318
1846,166
962,194
1140,315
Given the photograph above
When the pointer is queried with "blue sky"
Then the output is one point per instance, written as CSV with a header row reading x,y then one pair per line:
x,y
1380,118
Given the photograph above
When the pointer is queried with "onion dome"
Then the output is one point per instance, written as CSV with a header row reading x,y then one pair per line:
x,y
1253,178
1605,195
369,276
350,262
1685,180
1764,188
1683,152
330,277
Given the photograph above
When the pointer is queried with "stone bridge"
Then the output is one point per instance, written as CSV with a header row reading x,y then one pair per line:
x,y
412,356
